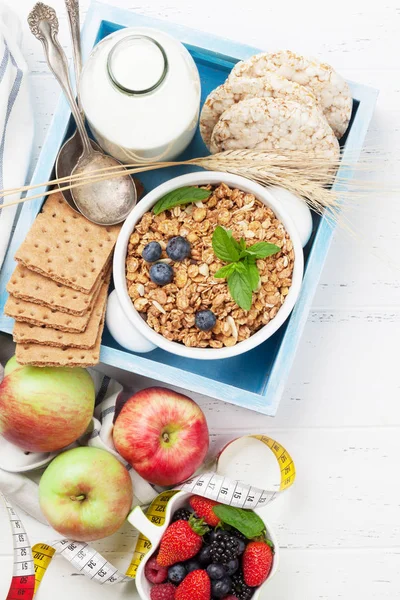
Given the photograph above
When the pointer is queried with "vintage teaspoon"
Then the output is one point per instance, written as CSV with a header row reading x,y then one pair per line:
x,y
70,152
105,202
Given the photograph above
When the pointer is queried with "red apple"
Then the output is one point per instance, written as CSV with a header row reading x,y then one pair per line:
x,y
162,434
44,409
85,494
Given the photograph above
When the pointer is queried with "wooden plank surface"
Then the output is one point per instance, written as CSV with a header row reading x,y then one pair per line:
x,y
340,413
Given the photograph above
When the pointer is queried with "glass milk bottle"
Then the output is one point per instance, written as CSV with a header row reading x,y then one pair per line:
x,y
140,91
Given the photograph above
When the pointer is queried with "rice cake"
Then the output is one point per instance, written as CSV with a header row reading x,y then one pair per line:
x,y
33,334
66,247
329,88
270,124
236,89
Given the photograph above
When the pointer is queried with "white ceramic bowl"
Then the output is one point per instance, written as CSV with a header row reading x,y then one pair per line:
x,y
154,533
127,326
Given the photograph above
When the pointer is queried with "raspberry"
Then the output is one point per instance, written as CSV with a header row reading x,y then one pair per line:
x,y
154,572
163,591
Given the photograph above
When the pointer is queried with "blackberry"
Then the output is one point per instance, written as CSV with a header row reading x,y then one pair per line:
x,y
243,541
182,514
224,549
238,534
241,590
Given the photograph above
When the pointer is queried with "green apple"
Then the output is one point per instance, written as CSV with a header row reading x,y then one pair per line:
x,y
43,409
85,494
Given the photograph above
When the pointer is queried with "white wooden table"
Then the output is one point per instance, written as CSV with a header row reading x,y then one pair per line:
x,y
339,527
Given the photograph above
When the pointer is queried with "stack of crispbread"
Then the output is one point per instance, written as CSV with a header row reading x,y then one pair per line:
x,y
58,291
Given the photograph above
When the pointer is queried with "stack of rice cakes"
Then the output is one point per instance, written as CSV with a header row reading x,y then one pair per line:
x,y
277,101
58,291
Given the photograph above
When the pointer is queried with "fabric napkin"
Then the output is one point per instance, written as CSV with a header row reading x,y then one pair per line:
x,y
16,119
23,492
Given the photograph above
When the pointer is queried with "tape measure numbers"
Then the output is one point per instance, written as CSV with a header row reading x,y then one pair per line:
x,y
156,514
30,565
23,580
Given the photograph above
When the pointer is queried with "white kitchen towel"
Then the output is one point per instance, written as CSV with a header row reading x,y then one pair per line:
x,y
16,119
22,492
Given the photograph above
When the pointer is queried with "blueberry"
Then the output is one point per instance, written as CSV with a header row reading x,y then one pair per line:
x,y
161,273
192,565
152,252
178,248
232,566
204,556
205,320
216,571
221,588
177,573
242,546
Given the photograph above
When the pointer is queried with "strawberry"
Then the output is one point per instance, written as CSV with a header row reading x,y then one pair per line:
x,y
195,586
203,507
257,563
163,591
182,540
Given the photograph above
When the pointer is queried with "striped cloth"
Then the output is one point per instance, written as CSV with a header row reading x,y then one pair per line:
x,y
16,119
14,462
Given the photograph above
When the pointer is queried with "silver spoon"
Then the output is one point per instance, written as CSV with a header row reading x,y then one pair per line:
x,y
105,202
72,149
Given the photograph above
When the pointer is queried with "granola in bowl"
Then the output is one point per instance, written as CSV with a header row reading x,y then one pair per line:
x,y
172,309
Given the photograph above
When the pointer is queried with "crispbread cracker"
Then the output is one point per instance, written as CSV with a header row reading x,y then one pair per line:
x,y
49,356
330,89
32,334
33,287
269,124
66,247
35,314
236,89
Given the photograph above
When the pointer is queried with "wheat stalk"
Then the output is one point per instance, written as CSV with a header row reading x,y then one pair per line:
x,y
309,177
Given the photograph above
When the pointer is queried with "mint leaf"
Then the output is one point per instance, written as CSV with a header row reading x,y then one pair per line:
x,y
262,250
183,195
234,242
240,289
227,270
245,521
224,246
252,272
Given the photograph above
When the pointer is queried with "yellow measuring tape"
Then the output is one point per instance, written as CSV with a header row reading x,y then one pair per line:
x,y
88,561
285,461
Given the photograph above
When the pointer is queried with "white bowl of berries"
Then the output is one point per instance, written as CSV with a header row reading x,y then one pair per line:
x,y
200,555
207,266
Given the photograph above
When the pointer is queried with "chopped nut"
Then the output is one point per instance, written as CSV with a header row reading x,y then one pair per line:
x,y
159,307
140,303
204,269
199,214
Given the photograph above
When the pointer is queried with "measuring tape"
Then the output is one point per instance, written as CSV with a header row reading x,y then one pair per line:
x,y
30,565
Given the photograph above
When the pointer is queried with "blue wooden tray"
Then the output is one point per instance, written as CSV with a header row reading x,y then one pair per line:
x,y
254,380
